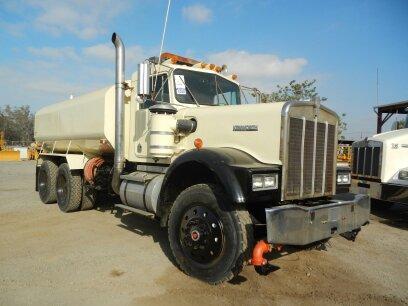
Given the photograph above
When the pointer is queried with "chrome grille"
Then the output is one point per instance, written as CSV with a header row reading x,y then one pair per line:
x,y
310,159
366,158
320,140
330,158
294,157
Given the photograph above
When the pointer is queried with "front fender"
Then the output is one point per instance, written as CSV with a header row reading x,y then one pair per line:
x,y
232,169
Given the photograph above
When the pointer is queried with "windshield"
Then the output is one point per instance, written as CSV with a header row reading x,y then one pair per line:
x,y
204,88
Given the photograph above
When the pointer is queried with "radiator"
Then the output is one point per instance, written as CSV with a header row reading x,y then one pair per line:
x,y
367,159
310,159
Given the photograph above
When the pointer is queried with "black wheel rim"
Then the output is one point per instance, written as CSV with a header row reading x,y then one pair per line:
x,y
62,189
201,235
42,181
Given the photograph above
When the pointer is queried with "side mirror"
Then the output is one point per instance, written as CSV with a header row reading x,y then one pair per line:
x,y
143,88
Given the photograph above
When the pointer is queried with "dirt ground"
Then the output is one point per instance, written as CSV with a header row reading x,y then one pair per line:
x,y
93,258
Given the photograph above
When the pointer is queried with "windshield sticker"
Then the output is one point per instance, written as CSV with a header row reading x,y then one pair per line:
x,y
181,91
180,85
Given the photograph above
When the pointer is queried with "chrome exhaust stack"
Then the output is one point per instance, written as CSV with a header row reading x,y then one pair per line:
x,y
119,158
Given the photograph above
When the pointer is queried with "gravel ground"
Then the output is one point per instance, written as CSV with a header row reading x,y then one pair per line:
x,y
92,258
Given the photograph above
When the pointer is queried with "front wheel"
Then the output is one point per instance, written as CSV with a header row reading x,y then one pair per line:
x,y
210,239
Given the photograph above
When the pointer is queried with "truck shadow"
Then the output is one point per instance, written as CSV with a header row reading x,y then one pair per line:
x,y
395,215
291,249
271,267
143,225
147,226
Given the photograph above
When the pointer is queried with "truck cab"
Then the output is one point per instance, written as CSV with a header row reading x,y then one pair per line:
x,y
380,166
177,141
380,162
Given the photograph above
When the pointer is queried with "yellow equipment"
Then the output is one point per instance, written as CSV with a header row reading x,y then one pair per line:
x,y
33,151
7,154
344,151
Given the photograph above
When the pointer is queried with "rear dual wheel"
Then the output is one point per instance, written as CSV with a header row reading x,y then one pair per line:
x,y
88,197
69,189
72,193
210,239
61,185
46,181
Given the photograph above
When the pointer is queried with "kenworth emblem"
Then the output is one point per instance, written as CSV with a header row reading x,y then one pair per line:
x,y
245,128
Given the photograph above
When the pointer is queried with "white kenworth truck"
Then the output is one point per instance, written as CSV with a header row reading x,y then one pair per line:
x,y
177,141
380,166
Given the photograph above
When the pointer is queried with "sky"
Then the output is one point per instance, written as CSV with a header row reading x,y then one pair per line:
x,y
52,49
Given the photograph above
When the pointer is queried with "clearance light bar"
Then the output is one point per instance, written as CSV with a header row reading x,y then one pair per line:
x,y
177,59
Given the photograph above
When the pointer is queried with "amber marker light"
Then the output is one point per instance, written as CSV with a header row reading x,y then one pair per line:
x,y
234,76
198,143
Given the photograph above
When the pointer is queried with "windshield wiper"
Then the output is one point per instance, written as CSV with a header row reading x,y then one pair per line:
x,y
243,93
190,93
218,87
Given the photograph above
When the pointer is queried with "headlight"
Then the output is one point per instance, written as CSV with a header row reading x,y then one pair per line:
x,y
343,178
264,181
403,175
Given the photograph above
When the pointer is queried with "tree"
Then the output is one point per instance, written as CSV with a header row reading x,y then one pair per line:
x,y
398,124
17,123
341,127
293,91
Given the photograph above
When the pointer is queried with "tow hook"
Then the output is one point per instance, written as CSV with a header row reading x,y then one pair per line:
x,y
258,261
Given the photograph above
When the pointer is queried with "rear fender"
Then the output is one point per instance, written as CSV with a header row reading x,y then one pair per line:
x,y
74,161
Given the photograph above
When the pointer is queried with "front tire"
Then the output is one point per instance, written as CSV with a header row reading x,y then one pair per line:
x,y
210,239
69,189
47,178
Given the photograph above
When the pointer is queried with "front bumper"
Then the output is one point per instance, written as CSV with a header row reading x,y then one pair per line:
x,y
300,225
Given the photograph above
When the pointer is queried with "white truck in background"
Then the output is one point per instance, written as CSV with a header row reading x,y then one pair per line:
x,y
176,141
380,166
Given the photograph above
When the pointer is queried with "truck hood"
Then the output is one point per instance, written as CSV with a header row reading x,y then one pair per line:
x,y
394,152
391,135
252,128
